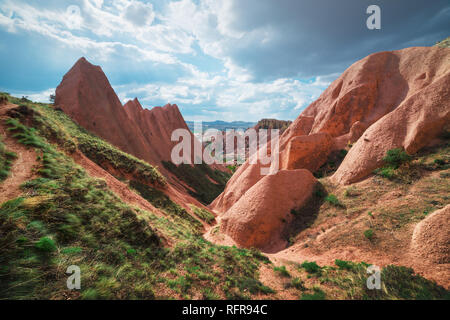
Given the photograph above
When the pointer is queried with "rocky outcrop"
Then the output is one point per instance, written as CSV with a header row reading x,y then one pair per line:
x,y
86,95
157,125
242,180
308,152
384,101
398,99
412,126
402,97
268,124
259,218
431,238
300,127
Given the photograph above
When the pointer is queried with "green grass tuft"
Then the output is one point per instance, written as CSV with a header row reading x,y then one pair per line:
x,y
282,271
46,244
369,234
333,200
203,214
311,267
318,294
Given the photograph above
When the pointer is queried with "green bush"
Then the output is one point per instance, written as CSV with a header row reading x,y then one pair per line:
x,y
396,157
46,244
311,267
71,250
282,271
203,214
297,283
344,265
369,234
387,172
318,294
333,200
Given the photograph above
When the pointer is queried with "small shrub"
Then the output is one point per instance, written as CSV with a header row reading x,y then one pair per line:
x,y
317,295
232,168
89,294
333,200
131,252
71,250
396,157
387,172
297,283
345,265
311,267
282,271
46,244
368,234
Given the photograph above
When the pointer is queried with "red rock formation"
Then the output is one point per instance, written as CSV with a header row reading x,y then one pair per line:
x,y
261,215
399,98
157,126
242,180
308,152
384,101
420,117
431,238
86,95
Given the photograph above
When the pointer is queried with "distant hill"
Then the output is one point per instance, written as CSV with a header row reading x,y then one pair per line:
x,y
273,124
444,43
222,125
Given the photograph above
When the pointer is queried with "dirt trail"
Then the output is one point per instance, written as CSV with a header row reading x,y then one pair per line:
x,y
22,168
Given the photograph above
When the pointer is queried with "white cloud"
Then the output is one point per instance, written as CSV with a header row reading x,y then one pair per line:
x,y
43,96
134,31
139,14
229,99
143,41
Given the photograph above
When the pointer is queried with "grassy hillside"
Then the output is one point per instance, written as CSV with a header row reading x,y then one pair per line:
x,y
207,183
58,128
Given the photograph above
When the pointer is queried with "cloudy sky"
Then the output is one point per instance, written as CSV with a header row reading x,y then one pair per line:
x,y
226,60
